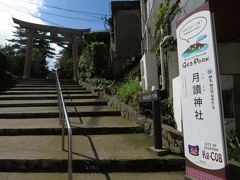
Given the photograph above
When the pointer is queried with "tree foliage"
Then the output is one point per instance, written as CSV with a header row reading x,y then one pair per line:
x,y
15,52
64,63
94,61
5,76
39,65
14,61
166,12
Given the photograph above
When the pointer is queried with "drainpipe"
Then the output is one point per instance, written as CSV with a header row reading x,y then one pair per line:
x,y
163,75
144,26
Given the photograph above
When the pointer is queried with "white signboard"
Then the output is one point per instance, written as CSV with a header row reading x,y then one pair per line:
x,y
201,107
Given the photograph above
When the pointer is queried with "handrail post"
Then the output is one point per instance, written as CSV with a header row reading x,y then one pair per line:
x,y
70,155
63,134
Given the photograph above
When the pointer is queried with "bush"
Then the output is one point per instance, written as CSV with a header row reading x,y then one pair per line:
x,y
102,83
233,146
5,76
99,82
11,61
65,69
94,61
86,64
127,90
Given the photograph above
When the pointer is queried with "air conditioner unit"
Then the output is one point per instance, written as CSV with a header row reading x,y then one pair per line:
x,y
149,71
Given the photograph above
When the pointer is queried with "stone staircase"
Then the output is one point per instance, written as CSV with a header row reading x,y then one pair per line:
x,y
105,146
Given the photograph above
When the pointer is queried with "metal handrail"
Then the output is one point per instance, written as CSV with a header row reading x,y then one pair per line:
x,y
64,119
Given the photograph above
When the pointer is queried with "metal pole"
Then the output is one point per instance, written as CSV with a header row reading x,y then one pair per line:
x,y
63,134
157,128
163,74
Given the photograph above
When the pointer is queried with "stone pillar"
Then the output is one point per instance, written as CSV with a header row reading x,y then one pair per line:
x,y
28,56
75,58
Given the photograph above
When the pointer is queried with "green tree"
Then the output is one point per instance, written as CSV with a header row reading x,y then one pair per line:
x,y
41,51
5,76
3,61
14,59
39,65
64,63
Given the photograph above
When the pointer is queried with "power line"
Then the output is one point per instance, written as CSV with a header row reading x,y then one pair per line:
x,y
47,21
19,10
52,14
69,10
70,17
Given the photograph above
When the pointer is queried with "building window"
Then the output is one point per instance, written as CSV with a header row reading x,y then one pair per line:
x,y
227,96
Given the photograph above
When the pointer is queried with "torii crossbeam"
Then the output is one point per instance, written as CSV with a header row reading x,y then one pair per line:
x,y
57,34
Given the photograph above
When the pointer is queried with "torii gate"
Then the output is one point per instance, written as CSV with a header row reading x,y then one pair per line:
x,y
66,34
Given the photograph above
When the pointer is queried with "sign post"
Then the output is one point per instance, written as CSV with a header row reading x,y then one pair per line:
x,y
154,97
204,140
157,127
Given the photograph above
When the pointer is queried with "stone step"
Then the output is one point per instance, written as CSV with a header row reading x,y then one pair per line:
x,y
42,104
70,102
54,109
91,153
43,92
81,126
56,114
109,121
43,85
170,163
43,97
53,112
175,175
37,88
75,131
36,81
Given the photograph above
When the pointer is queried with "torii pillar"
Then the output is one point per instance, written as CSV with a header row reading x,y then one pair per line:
x,y
28,56
75,58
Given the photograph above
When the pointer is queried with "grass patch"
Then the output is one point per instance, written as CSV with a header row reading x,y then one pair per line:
x,y
127,90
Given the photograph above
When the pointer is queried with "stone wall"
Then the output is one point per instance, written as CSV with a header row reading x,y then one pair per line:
x,y
171,138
